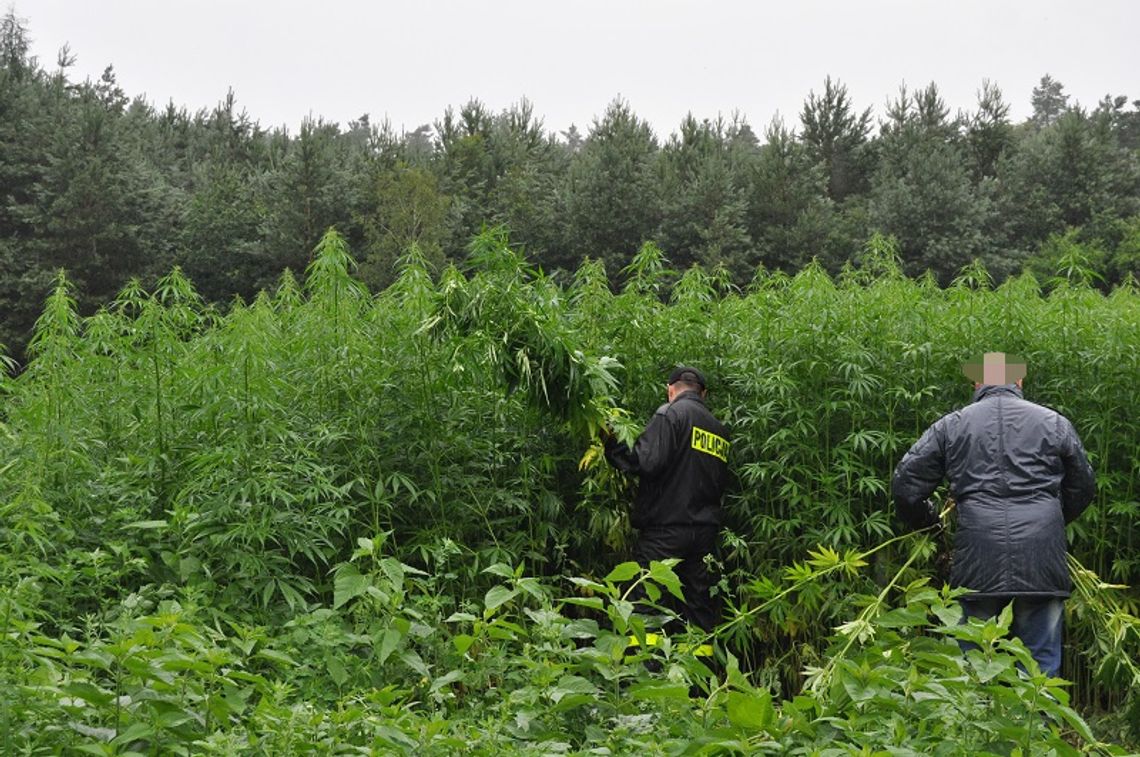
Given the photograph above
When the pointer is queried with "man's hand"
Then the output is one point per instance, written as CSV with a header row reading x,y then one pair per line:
x,y
933,516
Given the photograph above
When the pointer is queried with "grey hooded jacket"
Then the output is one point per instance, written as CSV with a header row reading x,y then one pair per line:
x,y
1018,473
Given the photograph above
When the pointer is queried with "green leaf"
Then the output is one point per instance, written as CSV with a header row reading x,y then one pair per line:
x,y
1005,618
660,690
462,642
500,569
393,570
496,596
950,615
89,693
133,732
588,584
663,574
902,617
532,587
389,639
571,685
623,572
988,669
594,603
188,567
446,680
623,609
349,584
278,657
337,671
146,525
823,557
416,663
750,709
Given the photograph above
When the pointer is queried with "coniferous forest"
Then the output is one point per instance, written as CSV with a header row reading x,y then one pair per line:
x,y
109,187
299,433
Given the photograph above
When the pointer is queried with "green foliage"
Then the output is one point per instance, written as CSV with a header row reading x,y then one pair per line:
x,y
703,172
836,137
376,521
108,187
614,201
332,520
516,316
409,211
385,669
923,193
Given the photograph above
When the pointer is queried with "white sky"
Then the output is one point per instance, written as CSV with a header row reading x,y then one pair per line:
x,y
408,60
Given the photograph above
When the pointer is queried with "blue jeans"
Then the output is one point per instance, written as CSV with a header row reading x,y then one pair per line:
x,y
1037,621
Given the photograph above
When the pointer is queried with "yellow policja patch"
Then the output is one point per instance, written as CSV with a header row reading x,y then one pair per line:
x,y
710,443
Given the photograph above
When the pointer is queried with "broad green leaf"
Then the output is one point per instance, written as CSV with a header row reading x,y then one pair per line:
x,y
462,642
446,680
497,596
88,692
137,731
278,657
393,570
659,690
663,574
500,569
349,584
750,709
571,684
588,584
416,663
389,640
623,572
623,609
337,671
987,669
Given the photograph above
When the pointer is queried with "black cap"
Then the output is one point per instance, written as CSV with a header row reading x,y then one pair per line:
x,y
688,375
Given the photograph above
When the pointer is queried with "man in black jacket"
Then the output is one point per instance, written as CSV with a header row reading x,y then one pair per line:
x,y
1018,473
681,460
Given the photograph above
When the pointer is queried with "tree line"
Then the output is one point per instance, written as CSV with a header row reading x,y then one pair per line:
x,y
111,188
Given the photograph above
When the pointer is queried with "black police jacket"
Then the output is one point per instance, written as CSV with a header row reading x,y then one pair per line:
x,y
681,460
1018,473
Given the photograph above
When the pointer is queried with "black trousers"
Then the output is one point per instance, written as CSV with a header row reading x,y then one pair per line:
x,y
690,544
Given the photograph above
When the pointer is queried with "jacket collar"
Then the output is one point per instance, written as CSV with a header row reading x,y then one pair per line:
x,y
689,394
993,390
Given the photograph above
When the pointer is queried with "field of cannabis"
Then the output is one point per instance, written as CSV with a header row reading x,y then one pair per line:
x,y
331,521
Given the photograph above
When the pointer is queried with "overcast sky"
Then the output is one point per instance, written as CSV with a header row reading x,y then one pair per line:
x,y
408,60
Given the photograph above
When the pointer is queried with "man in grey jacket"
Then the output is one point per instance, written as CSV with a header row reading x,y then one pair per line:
x,y
1018,473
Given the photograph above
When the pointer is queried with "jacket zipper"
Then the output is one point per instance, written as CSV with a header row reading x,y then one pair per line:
x,y
1003,498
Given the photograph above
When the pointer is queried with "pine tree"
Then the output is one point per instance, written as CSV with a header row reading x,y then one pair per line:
x,y
836,137
1049,102
612,193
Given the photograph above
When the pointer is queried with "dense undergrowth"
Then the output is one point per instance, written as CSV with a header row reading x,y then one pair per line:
x,y
334,521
